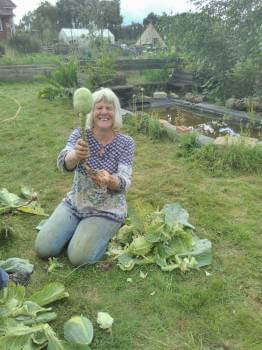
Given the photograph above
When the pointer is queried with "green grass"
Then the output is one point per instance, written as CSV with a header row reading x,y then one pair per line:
x,y
188,311
12,58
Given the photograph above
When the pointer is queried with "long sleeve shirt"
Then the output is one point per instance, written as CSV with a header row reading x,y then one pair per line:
x,y
88,199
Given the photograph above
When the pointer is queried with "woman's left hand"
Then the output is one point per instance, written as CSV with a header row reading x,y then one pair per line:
x,y
104,179
101,178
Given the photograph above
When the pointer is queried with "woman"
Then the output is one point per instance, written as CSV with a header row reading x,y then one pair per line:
x,y
94,209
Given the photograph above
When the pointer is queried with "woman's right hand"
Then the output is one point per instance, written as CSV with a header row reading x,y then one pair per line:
x,y
81,150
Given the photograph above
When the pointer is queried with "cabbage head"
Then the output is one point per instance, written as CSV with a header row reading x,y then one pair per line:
x,y
124,235
139,247
78,330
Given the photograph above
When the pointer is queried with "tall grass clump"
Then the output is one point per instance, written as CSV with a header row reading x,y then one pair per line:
x,y
188,142
146,124
236,157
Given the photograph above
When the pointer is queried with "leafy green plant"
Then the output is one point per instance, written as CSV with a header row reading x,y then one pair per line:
x,y
62,82
53,265
211,89
246,78
100,72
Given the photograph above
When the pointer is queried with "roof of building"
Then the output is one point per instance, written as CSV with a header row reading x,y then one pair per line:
x,y
149,36
6,8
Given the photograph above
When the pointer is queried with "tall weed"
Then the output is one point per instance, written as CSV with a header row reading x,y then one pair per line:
x,y
146,124
228,158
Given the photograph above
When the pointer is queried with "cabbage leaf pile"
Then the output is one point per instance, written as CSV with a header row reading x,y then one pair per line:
x,y
24,322
26,203
163,237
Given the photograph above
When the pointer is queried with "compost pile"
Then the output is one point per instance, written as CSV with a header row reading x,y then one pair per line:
x,y
163,237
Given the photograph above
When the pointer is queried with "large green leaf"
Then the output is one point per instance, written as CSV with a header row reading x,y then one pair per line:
x,y
44,317
50,293
174,213
9,199
53,342
32,208
68,346
202,252
125,262
27,192
30,308
13,265
12,298
20,338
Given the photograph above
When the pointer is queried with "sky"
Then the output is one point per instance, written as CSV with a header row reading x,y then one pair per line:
x,y
131,10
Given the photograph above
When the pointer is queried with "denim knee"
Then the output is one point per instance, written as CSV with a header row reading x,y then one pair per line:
x,y
43,251
77,259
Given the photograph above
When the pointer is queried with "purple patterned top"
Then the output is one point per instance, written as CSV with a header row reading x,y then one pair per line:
x,y
86,198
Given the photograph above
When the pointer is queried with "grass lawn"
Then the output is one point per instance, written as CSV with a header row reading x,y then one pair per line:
x,y
222,311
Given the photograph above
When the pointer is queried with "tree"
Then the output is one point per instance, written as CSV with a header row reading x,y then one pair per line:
x,y
110,15
151,18
42,21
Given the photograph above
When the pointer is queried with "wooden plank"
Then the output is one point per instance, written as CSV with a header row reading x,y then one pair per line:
x,y
140,64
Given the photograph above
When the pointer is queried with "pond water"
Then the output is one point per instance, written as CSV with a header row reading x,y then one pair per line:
x,y
206,124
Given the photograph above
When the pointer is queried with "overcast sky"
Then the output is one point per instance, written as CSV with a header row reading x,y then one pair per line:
x,y
131,10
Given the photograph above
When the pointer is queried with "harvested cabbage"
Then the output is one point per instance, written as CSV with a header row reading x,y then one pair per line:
x,y
104,320
79,330
139,247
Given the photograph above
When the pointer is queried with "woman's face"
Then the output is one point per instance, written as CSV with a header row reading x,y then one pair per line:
x,y
104,115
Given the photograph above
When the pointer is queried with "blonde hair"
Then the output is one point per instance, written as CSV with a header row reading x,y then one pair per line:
x,y
107,95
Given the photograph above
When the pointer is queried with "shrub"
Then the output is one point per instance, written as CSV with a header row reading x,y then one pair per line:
x,y
246,78
100,72
24,43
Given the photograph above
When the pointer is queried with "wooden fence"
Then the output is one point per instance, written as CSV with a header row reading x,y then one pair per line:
x,y
24,72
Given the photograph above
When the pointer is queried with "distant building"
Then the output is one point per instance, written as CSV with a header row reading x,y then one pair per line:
x,y
150,37
6,19
83,36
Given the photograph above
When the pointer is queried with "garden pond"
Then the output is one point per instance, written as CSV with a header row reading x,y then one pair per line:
x,y
208,124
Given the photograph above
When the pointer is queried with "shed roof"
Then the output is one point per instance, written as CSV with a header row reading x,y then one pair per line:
x,y
149,36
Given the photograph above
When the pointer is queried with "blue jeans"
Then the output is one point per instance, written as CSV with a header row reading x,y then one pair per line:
x,y
88,238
